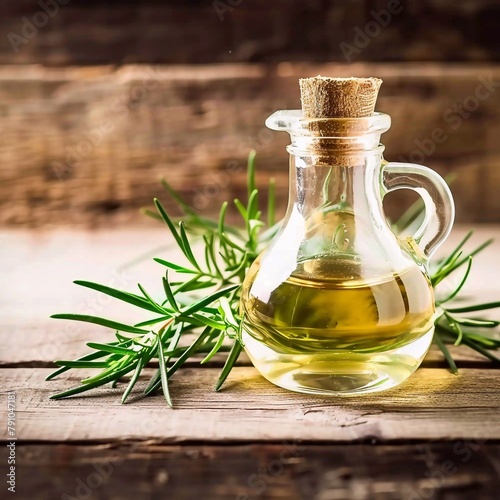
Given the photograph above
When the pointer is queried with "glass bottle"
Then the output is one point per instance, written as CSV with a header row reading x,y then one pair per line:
x,y
338,304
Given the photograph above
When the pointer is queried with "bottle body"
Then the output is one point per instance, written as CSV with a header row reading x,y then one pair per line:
x,y
338,304
329,329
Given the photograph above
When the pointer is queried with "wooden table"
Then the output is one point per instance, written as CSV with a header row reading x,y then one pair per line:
x,y
437,436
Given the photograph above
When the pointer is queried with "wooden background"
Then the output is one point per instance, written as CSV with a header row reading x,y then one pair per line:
x,y
106,97
109,96
436,437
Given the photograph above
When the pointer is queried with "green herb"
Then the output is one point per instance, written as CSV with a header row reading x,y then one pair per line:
x,y
189,322
451,326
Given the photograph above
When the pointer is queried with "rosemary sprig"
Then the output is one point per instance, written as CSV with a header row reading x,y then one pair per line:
x,y
198,312
451,327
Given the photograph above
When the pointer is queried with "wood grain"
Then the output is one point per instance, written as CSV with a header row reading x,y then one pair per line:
x,y
432,404
122,258
187,31
231,444
104,101
290,470
88,145
40,347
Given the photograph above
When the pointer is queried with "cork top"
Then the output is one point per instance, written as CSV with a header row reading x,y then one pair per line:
x,y
330,107
326,97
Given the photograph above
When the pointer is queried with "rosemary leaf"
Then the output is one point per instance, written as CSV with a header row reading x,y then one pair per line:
x,y
215,349
197,306
175,267
163,375
251,187
113,349
130,298
169,294
140,365
87,387
87,357
228,366
446,354
481,350
204,300
169,223
475,307
153,303
100,321
177,198
82,364
461,284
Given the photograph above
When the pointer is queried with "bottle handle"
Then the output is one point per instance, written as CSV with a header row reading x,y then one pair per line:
x,y
437,197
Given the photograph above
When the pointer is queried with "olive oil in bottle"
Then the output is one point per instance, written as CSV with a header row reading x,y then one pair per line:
x,y
337,303
329,324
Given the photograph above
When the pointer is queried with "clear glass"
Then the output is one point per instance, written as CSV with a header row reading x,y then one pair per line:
x,y
338,304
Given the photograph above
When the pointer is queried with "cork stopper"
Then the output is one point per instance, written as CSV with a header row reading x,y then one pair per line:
x,y
325,97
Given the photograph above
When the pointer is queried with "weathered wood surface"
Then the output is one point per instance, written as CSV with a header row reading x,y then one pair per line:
x,y
434,437
185,31
430,405
433,404
122,258
88,145
39,347
288,470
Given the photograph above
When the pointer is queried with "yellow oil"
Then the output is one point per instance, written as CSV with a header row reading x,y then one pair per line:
x,y
336,326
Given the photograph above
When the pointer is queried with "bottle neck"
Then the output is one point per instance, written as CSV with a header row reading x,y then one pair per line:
x,y
319,186
335,202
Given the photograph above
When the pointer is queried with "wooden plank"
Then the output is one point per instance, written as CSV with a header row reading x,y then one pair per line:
x,y
29,338
87,146
40,347
432,404
289,470
96,32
